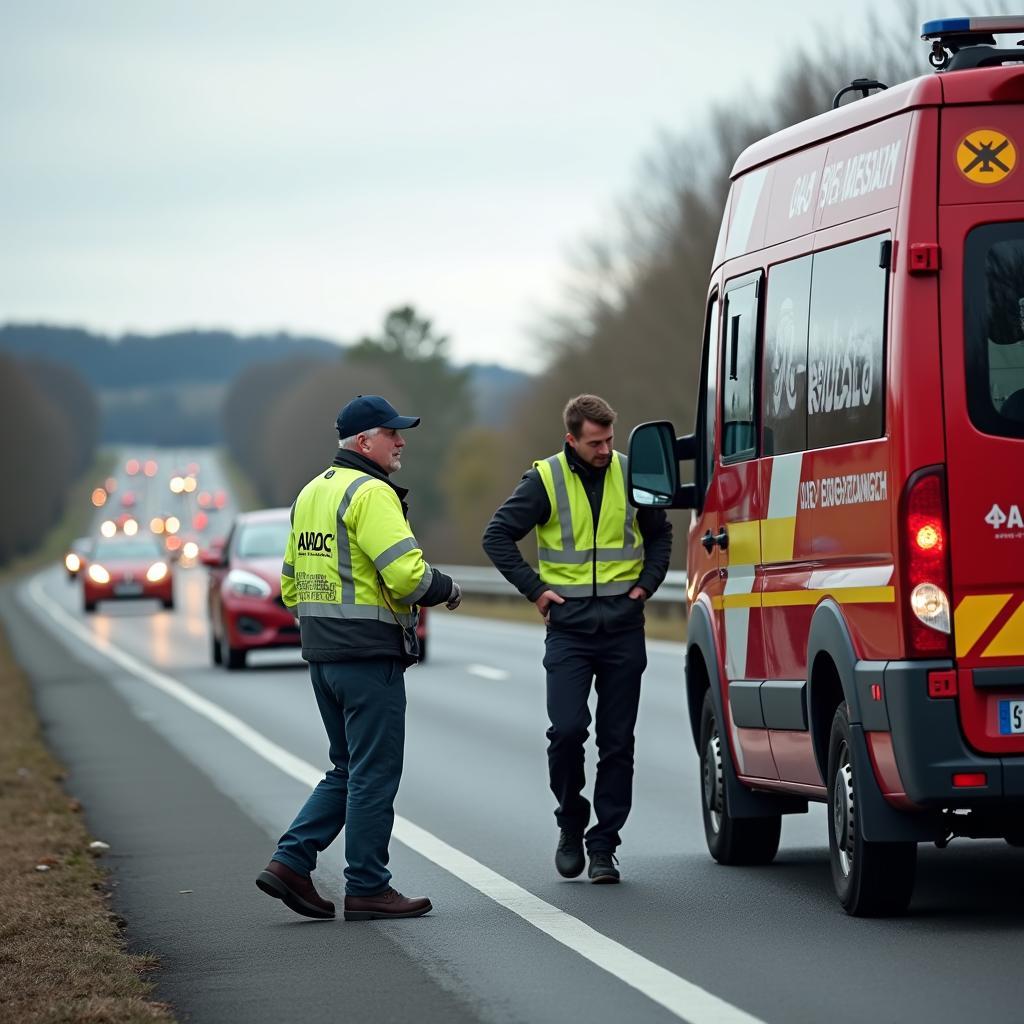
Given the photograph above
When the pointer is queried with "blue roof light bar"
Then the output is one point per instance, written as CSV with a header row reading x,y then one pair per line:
x,y
972,26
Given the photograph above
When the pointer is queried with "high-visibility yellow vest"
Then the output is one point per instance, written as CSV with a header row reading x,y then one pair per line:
x,y
351,554
574,562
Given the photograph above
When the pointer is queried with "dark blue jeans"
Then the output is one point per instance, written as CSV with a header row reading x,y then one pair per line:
x,y
362,704
614,663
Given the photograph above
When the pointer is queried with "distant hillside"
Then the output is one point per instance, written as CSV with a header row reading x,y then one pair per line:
x,y
169,389
131,361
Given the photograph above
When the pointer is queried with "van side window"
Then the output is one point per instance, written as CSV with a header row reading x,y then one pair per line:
x,y
994,327
739,438
709,393
785,357
845,383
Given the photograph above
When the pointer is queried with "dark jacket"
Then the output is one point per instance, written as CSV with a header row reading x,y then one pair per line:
x,y
528,507
352,639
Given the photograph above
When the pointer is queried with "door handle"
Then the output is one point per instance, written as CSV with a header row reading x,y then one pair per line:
x,y
709,540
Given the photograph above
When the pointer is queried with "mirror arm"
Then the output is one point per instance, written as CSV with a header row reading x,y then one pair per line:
x,y
686,447
686,496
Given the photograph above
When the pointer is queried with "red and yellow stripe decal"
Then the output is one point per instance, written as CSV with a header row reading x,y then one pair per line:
x,y
974,618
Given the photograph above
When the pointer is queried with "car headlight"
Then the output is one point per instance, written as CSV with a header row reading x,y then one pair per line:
x,y
72,562
247,584
156,572
98,574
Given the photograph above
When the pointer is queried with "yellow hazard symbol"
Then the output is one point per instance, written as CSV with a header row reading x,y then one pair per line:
x,y
986,156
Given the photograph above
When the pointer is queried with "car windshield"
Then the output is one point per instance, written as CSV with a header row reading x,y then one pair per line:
x,y
127,549
994,327
263,540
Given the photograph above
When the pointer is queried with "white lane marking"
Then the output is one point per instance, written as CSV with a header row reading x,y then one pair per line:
x,y
680,997
487,672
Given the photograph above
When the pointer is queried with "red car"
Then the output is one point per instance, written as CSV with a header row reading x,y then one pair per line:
x,y
244,599
122,567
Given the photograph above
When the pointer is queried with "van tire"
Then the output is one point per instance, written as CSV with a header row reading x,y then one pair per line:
x,y
870,879
730,840
216,652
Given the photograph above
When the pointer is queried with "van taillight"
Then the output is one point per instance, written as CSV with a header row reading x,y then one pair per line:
x,y
925,537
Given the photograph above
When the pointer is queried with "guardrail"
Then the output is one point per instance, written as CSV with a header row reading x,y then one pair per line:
x,y
485,581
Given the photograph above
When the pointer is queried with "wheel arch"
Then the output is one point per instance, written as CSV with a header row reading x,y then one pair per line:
x,y
832,678
701,657
831,674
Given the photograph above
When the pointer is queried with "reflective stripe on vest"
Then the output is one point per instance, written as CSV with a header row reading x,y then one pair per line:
x,y
572,561
332,585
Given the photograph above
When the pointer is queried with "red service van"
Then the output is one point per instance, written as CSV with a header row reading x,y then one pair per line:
x,y
856,549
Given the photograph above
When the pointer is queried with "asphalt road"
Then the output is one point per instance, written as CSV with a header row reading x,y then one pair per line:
x,y
191,772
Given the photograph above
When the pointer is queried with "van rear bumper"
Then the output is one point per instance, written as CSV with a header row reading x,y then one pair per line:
x,y
930,748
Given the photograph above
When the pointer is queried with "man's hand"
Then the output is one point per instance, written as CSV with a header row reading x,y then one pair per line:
x,y
638,594
546,600
455,600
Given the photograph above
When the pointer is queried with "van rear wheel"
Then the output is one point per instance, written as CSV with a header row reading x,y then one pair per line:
x,y
871,879
730,840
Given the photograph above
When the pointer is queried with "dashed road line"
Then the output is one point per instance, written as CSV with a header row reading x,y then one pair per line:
x,y
488,672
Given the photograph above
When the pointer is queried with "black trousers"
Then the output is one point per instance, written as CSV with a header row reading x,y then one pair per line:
x,y
614,662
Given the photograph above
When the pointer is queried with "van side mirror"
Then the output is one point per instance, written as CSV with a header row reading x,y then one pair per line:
x,y
654,456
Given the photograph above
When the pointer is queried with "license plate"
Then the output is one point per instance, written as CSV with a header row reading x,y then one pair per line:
x,y
127,589
1011,717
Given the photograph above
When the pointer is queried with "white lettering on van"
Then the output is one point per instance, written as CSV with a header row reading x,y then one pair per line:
x,y
851,489
1006,525
803,194
843,378
859,176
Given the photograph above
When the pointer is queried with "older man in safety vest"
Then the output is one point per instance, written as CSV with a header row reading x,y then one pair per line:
x,y
354,572
598,561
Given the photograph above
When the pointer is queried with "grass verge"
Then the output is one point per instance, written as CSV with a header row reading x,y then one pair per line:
x,y
664,621
62,955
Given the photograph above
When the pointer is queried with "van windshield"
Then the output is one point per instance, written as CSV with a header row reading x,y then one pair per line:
x,y
994,327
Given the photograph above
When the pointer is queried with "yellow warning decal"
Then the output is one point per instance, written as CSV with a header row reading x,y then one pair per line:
x,y
1009,641
973,615
777,538
986,156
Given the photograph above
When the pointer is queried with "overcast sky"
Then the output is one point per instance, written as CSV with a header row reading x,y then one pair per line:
x,y
262,166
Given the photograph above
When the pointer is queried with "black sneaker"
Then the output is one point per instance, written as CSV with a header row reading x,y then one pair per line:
x,y
569,855
602,868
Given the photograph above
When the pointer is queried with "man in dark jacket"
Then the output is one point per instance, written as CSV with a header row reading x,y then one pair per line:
x,y
354,573
598,561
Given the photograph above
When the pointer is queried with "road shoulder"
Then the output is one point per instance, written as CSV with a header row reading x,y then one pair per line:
x,y
183,858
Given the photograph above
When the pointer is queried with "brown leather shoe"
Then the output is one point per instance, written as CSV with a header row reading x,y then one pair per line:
x,y
294,890
389,903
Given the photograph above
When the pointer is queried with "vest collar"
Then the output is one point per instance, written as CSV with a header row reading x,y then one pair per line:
x,y
581,468
353,460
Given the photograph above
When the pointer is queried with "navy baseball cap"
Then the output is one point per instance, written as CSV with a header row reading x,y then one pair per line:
x,y
369,411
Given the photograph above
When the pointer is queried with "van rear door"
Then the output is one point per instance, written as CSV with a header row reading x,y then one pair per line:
x,y
982,306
